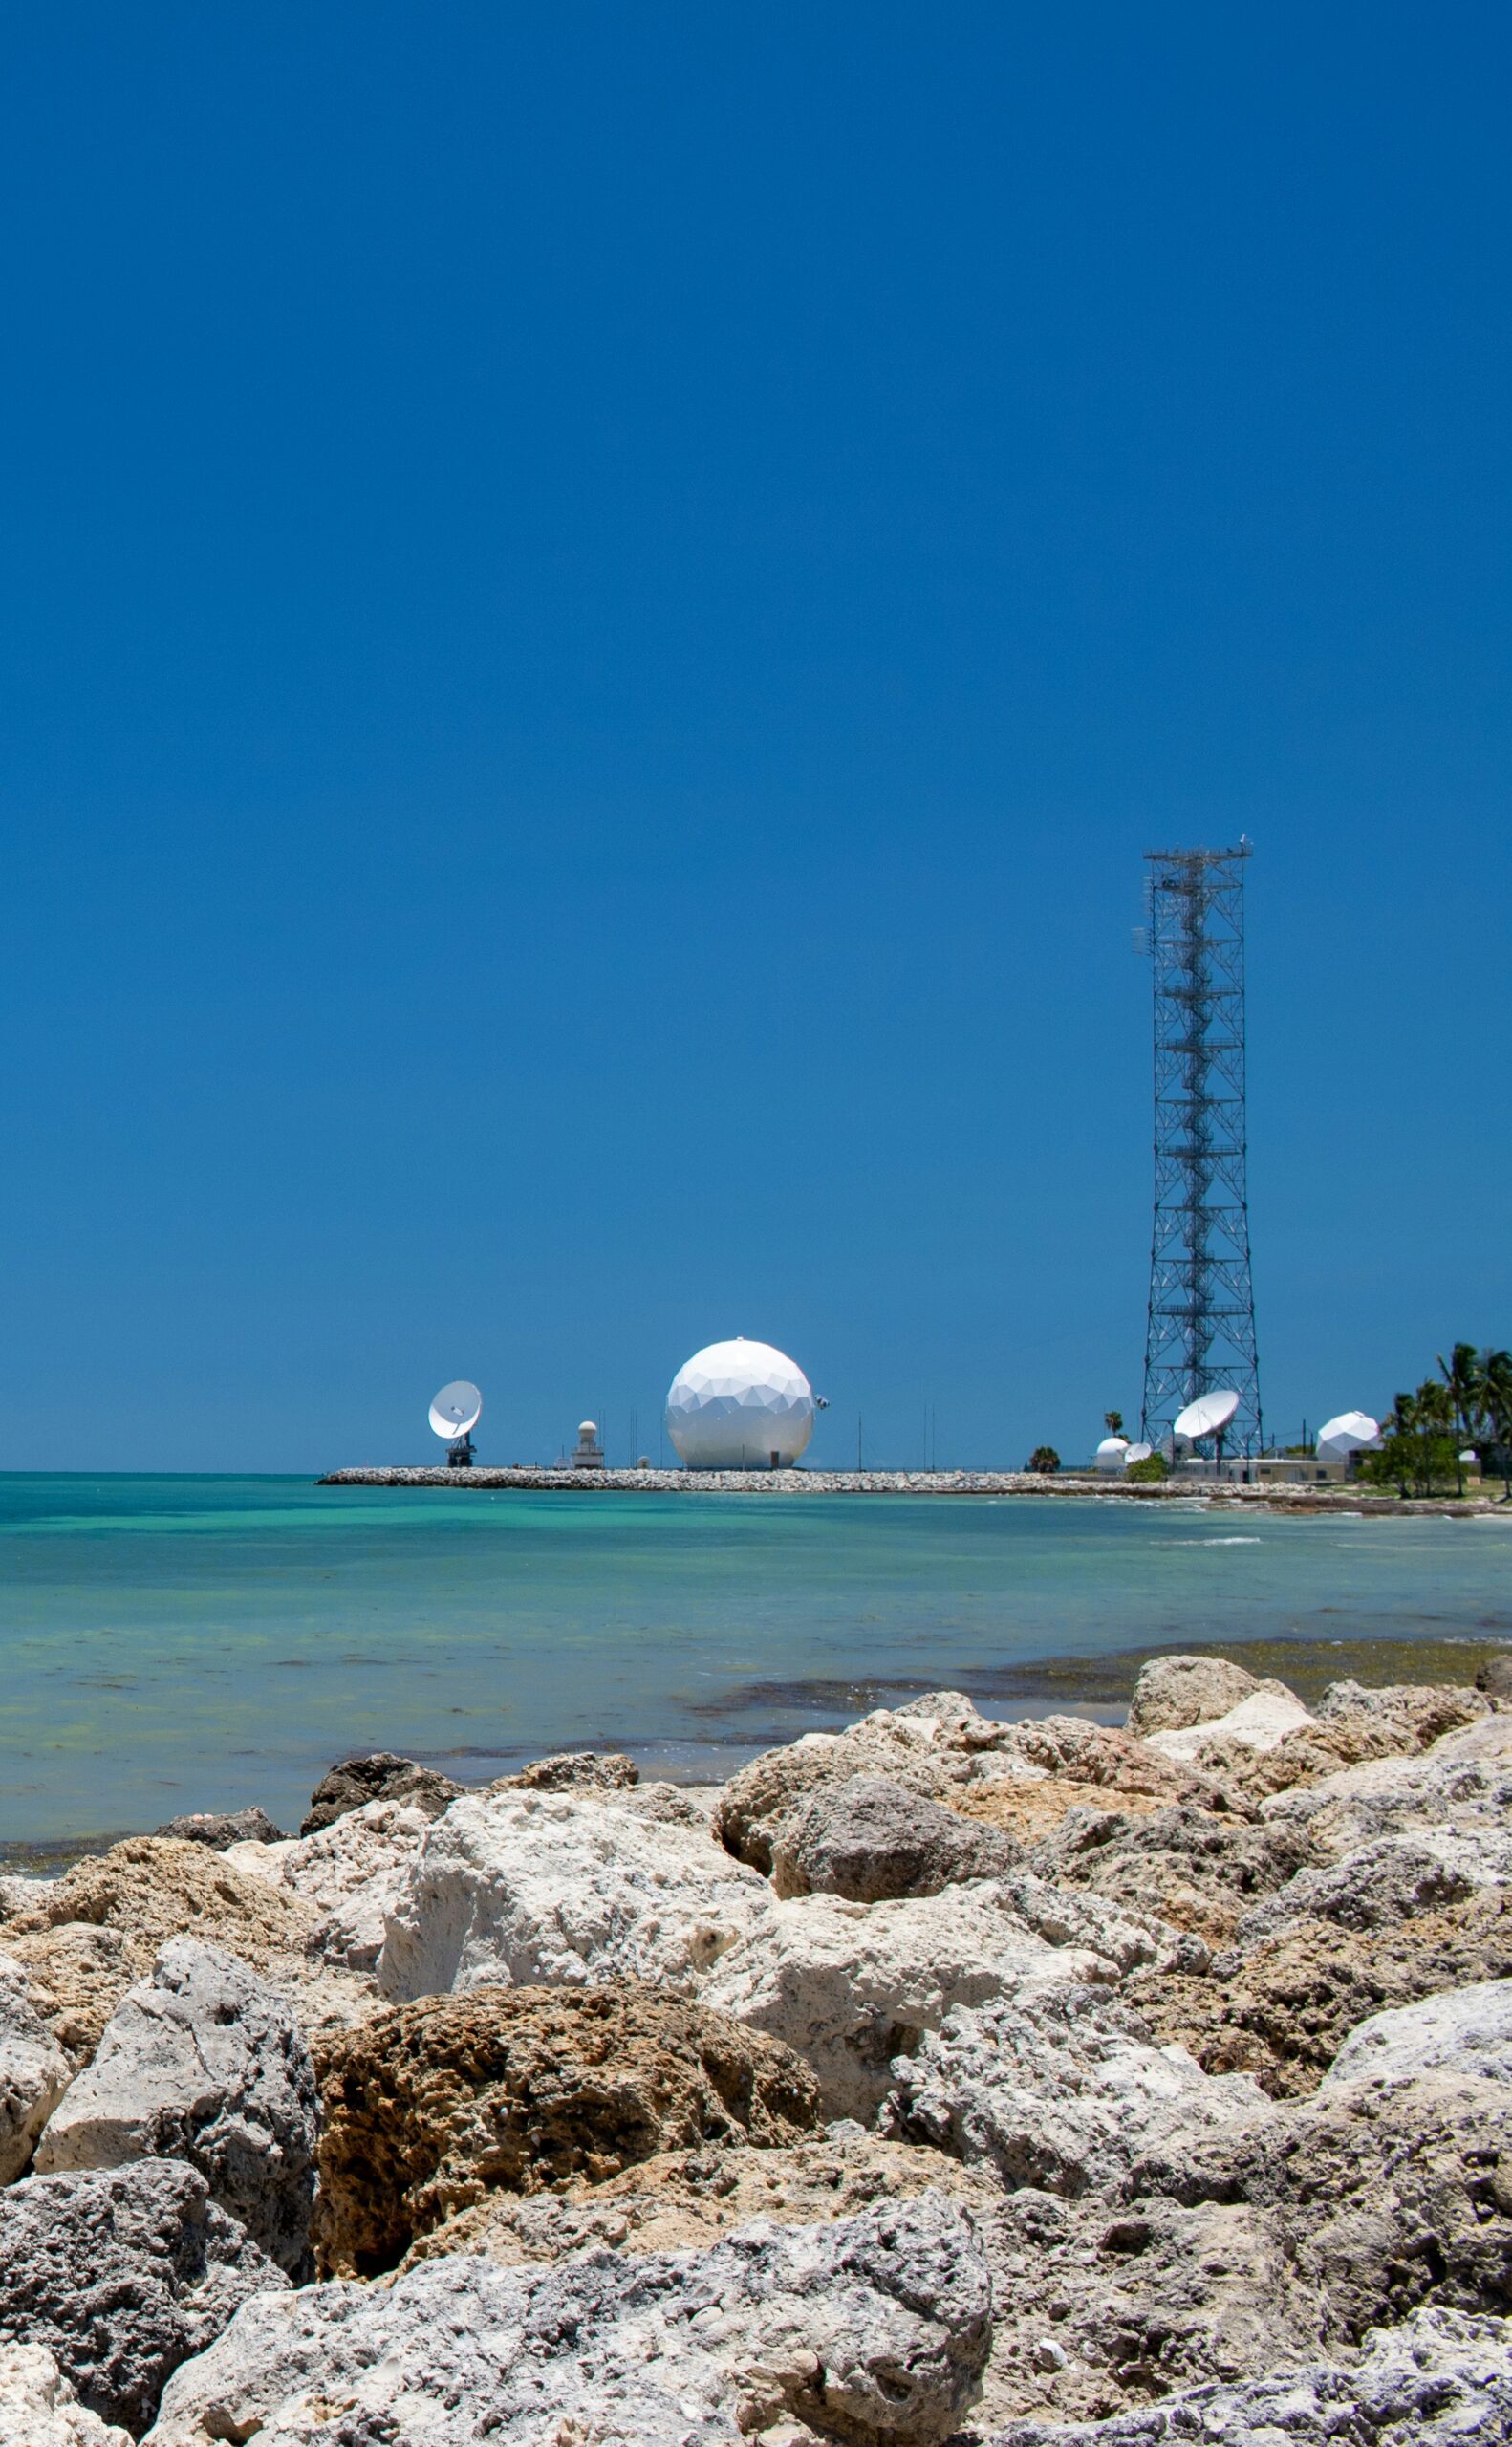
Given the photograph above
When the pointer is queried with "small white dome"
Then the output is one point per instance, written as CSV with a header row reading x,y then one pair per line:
x,y
1111,1452
740,1406
587,1427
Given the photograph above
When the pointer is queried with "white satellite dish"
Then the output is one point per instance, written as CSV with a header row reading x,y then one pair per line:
x,y
1208,1416
456,1410
1138,1453
1352,1431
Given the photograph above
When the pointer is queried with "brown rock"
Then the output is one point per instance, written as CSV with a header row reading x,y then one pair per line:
x,y
382,1775
99,1929
433,2105
1495,1678
1033,1808
1116,1762
683,2199
572,1771
1283,2008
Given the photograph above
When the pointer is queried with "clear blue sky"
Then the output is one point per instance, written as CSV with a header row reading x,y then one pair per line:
x,y
599,604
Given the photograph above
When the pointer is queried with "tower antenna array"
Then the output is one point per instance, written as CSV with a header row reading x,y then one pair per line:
x,y
1200,1332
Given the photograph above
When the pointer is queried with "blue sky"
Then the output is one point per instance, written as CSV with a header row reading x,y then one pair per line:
x,y
600,605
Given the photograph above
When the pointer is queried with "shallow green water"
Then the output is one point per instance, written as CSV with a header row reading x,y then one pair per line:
x,y
185,1643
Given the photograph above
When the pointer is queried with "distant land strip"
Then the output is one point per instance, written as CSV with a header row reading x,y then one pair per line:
x,y
937,1483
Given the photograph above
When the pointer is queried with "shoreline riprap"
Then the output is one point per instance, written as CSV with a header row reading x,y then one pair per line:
x,y
941,2078
1063,1486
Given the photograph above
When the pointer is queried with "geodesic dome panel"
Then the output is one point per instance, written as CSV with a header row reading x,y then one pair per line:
x,y
736,1405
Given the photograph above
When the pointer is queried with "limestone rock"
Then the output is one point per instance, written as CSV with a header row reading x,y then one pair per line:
x,y
432,2107
1416,1713
1174,1692
572,1771
1461,1782
871,1840
850,1985
202,2062
684,2200
1106,1755
1354,1725
933,1746
352,1870
1495,1677
1265,2241
1390,2195
382,1775
1282,2008
1439,2380
221,1827
1197,1868
1135,2300
1069,1915
551,1888
1063,2089
1395,1878
34,2071
1258,1721
121,2277
1464,2034
93,1932
40,2408
877,2325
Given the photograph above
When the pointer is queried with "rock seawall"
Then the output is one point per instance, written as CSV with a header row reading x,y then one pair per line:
x,y
940,2080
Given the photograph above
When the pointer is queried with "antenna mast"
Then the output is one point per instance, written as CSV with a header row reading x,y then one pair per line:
x,y
1200,1332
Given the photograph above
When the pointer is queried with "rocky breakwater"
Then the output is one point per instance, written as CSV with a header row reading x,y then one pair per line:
x,y
935,2080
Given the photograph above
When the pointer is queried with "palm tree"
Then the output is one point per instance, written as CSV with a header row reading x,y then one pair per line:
x,y
1462,1383
1113,1422
1496,1378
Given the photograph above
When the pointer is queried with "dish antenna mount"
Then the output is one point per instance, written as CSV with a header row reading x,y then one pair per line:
x,y
454,1414
1208,1416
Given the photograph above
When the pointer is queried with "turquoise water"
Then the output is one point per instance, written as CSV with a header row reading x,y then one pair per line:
x,y
189,1643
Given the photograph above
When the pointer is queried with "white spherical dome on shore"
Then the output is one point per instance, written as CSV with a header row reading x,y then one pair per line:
x,y
740,1406
1113,1453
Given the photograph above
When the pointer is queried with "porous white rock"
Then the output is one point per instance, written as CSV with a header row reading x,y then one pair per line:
x,y
1442,2379
1259,1721
877,2324
353,1870
38,2407
1445,1786
1060,2088
34,2071
201,2061
1462,2033
852,1985
551,1888
1395,1877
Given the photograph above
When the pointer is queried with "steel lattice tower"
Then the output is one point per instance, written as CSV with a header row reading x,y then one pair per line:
x,y
1202,1323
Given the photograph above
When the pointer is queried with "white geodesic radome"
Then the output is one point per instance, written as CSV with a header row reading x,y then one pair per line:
x,y
740,1406
1113,1453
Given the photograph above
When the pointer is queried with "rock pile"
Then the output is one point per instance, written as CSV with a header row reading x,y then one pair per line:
x,y
937,2080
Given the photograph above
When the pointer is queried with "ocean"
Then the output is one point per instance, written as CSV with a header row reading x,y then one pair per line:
x,y
173,1644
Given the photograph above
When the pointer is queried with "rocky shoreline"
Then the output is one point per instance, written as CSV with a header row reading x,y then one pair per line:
x,y
1065,1484
941,2079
